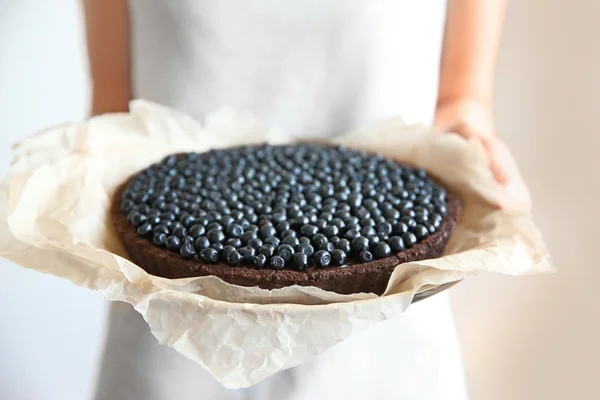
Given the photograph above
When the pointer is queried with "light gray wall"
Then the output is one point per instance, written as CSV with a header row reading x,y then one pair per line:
x,y
50,331
537,337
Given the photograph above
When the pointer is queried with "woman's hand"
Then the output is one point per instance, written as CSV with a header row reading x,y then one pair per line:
x,y
472,119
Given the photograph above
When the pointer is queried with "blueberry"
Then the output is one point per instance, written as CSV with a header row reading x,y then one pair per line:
x,y
180,232
327,216
209,255
235,242
383,237
234,258
305,248
202,221
384,227
254,243
359,244
267,231
213,216
309,230
215,235
226,250
227,220
277,262
373,241
322,258
290,240
259,261
267,250
319,239
343,245
399,228
365,256
160,229
234,231
304,240
331,230
300,260
321,224
327,246
351,234
368,231
420,231
173,243
409,239
382,250
247,252
196,231
272,240
421,218
338,222
201,243
285,251
144,229
160,239
396,244
338,257
367,222
213,225
136,219
247,236
289,232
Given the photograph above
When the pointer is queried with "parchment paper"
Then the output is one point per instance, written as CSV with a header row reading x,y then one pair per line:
x,y
54,206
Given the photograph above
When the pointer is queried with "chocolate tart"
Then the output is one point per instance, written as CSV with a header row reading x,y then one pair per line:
x,y
369,277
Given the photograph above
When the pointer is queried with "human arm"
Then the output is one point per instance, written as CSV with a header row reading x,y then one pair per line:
x,y
107,30
471,40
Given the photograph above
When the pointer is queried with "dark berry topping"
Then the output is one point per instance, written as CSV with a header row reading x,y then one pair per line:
x,y
290,206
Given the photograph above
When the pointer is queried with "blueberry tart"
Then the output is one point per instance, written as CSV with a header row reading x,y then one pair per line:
x,y
274,216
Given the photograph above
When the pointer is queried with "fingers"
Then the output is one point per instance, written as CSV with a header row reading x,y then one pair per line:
x,y
488,142
496,166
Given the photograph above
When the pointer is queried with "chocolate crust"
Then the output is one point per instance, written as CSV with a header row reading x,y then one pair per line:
x,y
369,277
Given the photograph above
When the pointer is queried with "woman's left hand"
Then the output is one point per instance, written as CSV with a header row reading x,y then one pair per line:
x,y
472,119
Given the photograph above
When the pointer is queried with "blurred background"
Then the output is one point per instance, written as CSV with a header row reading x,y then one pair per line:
x,y
526,338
